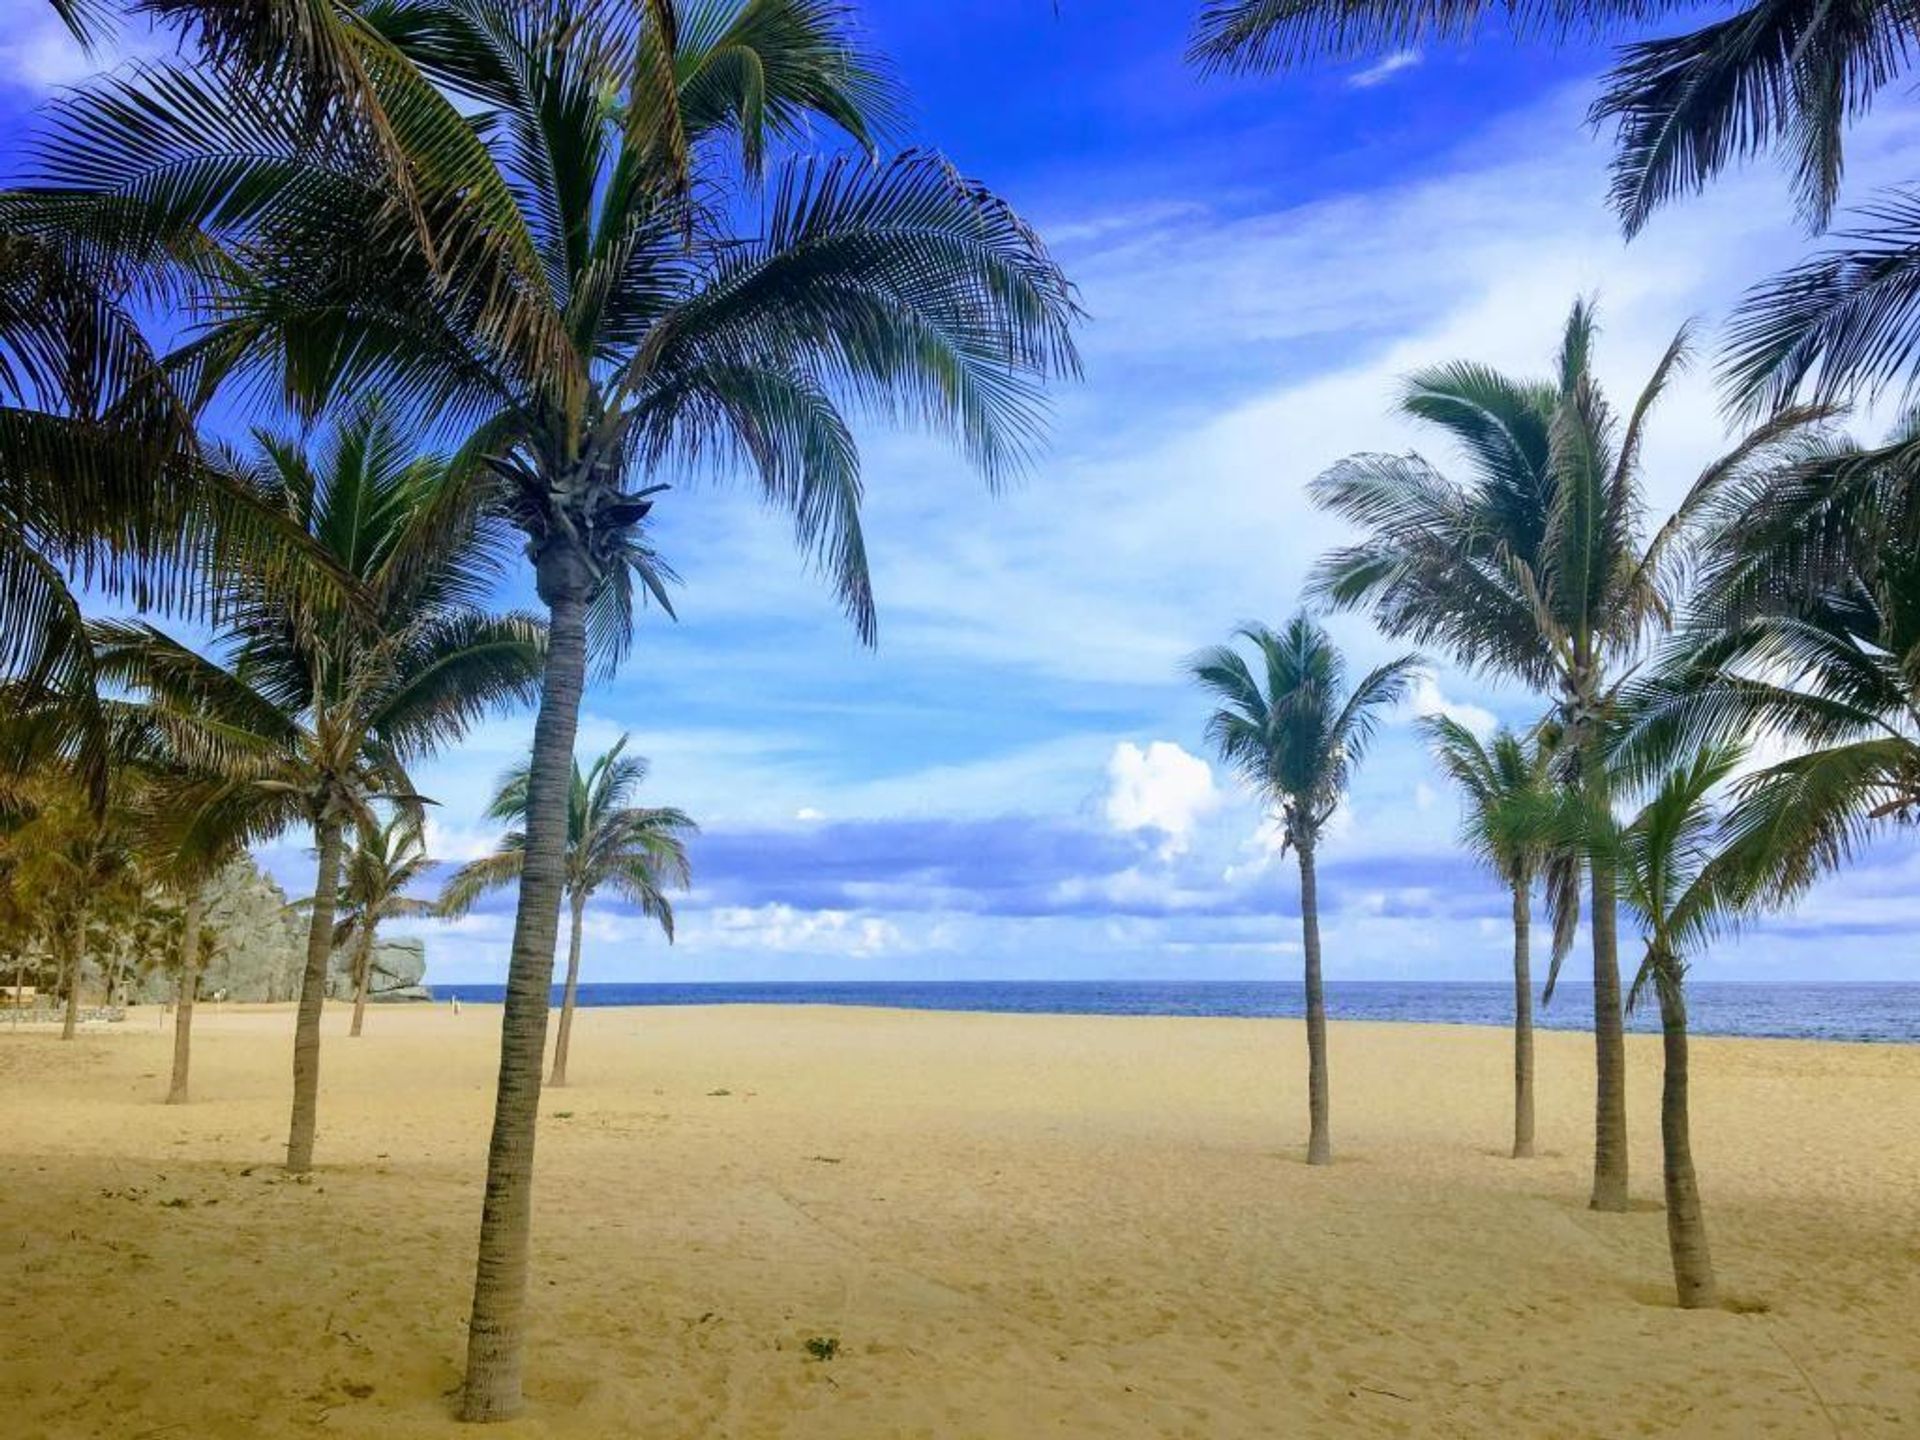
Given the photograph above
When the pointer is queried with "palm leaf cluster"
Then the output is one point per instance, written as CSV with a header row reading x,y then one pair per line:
x,y
1782,76
1289,725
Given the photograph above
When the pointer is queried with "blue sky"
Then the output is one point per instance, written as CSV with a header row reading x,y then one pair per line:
x,y
1013,784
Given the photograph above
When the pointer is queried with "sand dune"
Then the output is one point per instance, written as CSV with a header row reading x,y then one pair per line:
x,y
1013,1226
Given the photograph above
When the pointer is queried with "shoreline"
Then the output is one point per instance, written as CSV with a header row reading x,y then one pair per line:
x,y
152,1018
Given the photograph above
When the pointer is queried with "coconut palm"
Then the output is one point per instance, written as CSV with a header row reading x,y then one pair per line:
x,y
637,851
1510,793
1535,567
387,858
311,712
1803,637
1291,729
581,303
1683,891
189,838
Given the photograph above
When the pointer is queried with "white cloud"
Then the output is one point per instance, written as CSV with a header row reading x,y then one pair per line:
x,y
1384,69
1428,699
1161,788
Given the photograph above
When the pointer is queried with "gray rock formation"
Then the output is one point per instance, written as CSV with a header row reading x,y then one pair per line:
x,y
260,945
399,970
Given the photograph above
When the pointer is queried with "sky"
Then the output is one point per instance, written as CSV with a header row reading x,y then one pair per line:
x,y
1014,783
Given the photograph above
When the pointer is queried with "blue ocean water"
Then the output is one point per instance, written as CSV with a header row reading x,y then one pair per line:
x,y
1884,1012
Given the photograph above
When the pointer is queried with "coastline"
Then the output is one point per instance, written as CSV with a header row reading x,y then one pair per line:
x,y
1013,1225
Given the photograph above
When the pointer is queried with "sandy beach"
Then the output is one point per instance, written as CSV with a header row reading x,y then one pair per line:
x,y
1013,1226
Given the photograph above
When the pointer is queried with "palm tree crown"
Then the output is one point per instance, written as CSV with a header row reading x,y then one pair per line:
x,y
1509,791
638,851
1287,723
1804,634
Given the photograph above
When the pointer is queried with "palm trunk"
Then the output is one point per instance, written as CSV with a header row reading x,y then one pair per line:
x,y
1320,1137
1686,1226
76,961
1522,1022
559,1076
183,1012
496,1333
362,978
1610,1050
313,994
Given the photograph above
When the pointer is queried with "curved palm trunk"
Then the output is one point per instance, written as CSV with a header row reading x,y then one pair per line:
x,y
183,1010
1610,1049
76,962
1522,1023
313,994
1320,1137
495,1336
1686,1226
560,1045
362,978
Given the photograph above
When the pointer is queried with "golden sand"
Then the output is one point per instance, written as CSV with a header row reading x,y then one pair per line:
x,y
1014,1226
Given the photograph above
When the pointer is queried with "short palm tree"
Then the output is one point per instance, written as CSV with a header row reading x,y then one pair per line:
x,y
312,712
1683,890
1510,796
388,857
637,851
189,836
1534,566
1293,732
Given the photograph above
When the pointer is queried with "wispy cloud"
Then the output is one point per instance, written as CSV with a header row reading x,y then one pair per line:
x,y
1384,69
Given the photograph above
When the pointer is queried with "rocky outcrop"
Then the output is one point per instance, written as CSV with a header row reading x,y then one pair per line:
x,y
398,973
260,944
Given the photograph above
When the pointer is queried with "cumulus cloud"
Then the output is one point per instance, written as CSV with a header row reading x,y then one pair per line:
x,y
1427,698
1161,788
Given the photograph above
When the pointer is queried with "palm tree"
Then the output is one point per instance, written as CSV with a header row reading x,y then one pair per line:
x,y
1535,567
1510,794
1683,893
1803,635
1295,734
640,851
312,711
386,859
571,290
192,838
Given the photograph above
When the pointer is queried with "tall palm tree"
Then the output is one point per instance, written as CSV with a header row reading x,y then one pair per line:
x,y
572,290
1295,734
1683,891
1535,566
638,851
1510,793
311,712
388,857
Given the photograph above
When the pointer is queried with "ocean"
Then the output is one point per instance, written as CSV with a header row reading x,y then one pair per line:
x,y
1878,1012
